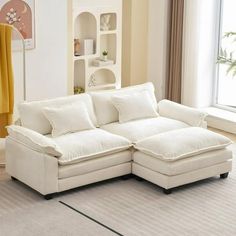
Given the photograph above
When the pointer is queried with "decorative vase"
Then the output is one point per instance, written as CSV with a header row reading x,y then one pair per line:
x,y
92,81
76,47
105,22
104,57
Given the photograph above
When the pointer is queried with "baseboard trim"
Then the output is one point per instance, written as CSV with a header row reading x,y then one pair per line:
x,y
221,119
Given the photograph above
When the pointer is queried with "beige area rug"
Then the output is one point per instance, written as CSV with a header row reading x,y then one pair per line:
x,y
16,196
136,208
129,207
23,212
49,219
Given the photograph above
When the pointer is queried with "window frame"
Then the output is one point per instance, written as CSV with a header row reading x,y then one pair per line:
x,y
218,45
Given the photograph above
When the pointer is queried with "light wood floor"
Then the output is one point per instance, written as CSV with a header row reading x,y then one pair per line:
x,y
4,176
2,147
229,135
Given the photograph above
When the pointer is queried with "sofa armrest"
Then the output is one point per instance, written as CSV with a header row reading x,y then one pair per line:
x,y
191,116
34,140
37,170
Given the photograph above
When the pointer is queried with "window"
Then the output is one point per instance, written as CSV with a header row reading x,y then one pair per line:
x,y
226,82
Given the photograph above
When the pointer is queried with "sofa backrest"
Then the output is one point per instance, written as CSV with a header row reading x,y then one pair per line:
x,y
106,112
32,117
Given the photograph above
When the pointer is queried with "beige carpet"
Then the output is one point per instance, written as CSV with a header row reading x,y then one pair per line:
x,y
133,208
129,207
49,219
16,196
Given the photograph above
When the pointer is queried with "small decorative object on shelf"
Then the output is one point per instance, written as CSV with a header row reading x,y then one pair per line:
x,y
76,47
86,47
99,62
78,90
92,81
105,22
104,55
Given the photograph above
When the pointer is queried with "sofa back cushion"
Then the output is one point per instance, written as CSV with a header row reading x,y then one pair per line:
x,y
32,117
68,119
106,112
127,111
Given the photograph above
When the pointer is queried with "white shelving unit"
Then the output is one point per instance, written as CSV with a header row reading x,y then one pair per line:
x,y
87,24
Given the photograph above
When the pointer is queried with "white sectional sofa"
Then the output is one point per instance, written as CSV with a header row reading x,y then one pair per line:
x,y
73,141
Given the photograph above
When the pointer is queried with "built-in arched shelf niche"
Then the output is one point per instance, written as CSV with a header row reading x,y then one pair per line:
x,y
85,27
102,77
79,73
112,21
108,43
101,22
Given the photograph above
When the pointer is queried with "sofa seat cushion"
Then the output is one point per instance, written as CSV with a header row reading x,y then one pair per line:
x,y
183,143
184,165
89,166
140,129
89,144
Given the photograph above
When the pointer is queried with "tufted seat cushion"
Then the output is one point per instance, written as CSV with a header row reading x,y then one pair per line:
x,y
140,129
183,143
89,144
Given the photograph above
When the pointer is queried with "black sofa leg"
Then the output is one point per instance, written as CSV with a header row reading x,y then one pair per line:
x,y
167,191
126,177
224,176
138,178
49,196
13,178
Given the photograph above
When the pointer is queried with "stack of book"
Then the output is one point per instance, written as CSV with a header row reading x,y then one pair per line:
x,y
100,62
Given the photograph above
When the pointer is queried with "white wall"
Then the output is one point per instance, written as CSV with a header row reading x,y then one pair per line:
x,y
158,44
145,43
139,41
46,65
126,43
135,42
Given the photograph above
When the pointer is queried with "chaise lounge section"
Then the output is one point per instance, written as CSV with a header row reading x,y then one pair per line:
x,y
181,156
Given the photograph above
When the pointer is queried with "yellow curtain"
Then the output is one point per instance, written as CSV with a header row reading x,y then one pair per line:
x,y
6,79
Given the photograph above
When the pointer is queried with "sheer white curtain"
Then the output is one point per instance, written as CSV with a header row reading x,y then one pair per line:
x,y
201,23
